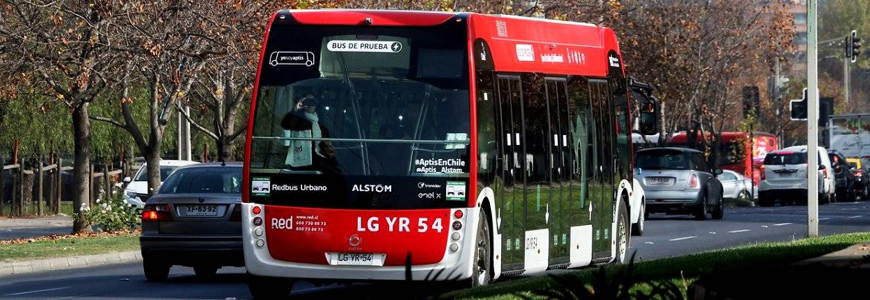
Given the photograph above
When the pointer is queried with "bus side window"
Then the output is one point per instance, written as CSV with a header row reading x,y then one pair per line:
x,y
580,140
488,129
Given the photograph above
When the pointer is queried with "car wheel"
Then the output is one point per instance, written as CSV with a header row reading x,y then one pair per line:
x,y
637,228
701,212
268,287
622,234
205,271
720,211
155,270
744,196
482,270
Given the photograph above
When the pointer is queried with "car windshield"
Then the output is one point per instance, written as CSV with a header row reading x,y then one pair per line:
x,y
164,172
663,160
785,159
220,180
396,110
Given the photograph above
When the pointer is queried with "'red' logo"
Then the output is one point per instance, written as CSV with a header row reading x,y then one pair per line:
x,y
354,240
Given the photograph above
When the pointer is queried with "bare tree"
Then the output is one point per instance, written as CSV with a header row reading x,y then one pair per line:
x,y
62,48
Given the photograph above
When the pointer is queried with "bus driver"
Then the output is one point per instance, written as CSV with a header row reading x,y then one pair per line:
x,y
303,122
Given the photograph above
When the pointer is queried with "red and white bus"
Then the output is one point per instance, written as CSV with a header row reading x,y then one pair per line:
x,y
463,145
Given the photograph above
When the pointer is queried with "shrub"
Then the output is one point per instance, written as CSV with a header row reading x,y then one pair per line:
x,y
112,215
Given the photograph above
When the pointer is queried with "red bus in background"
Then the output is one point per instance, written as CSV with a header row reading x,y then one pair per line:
x,y
461,146
752,152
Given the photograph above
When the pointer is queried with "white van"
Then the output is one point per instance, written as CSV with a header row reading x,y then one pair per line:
x,y
784,177
136,192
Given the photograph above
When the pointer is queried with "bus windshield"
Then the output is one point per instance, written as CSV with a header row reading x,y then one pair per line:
x,y
337,105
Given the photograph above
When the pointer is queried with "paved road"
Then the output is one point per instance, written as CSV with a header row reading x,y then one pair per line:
x,y
665,236
26,228
672,235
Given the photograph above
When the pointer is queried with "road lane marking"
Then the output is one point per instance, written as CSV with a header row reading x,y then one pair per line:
x,y
823,219
682,238
38,291
852,217
712,232
739,231
765,226
650,243
781,224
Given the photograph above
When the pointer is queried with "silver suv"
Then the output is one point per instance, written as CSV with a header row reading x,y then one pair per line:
x,y
679,180
784,177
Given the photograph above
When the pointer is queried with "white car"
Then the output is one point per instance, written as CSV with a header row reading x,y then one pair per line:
x,y
735,186
784,177
136,192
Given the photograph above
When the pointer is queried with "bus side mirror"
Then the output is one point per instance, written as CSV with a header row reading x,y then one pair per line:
x,y
649,117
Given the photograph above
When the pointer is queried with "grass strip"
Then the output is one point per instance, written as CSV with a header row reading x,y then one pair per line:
x,y
688,267
63,246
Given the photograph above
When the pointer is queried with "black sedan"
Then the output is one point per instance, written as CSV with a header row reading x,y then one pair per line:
x,y
195,221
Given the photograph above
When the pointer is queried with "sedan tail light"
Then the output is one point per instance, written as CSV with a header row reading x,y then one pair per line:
x,y
762,173
825,173
693,183
156,213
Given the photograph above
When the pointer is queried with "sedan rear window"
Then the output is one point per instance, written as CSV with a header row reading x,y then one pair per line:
x,y
786,159
164,172
663,160
211,180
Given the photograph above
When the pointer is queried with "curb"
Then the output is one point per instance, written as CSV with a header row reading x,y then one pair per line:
x,y
65,263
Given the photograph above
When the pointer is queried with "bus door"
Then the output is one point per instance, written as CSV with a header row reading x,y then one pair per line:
x,y
559,170
603,189
511,202
538,205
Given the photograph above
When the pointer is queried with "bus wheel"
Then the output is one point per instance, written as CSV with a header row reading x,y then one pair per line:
x,y
482,269
268,288
622,233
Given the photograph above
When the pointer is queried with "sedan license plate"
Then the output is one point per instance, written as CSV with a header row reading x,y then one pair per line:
x,y
355,259
201,211
657,180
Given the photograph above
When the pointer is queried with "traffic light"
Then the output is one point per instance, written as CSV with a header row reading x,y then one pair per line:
x,y
854,46
751,100
799,108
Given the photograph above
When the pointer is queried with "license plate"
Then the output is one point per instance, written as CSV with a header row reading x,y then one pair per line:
x,y
201,210
355,259
657,180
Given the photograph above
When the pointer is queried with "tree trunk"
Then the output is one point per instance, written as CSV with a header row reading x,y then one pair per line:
x,y
225,149
81,165
152,159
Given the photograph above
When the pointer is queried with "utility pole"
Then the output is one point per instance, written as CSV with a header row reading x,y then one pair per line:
x,y
812,119
777,100
846,78
184,151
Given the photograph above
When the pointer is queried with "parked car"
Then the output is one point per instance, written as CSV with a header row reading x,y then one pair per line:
x,y
679,180
844,179
195,221
136,192
784,177
862,183
735,186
